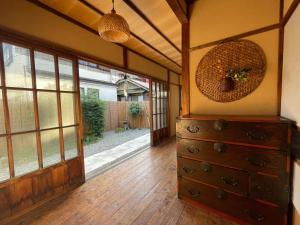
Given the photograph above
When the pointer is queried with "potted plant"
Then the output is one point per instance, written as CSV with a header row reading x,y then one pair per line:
x,y
227,82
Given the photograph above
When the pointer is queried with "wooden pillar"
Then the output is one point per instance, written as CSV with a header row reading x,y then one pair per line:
x,y
185,69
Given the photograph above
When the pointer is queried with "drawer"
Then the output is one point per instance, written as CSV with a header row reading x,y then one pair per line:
x,y
241,157
264,134
226,178
247,210
271,189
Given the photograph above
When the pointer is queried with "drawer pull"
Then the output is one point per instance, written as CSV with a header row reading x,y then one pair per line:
x,y
219,125
230,181
257,135
193,129
188,170
256,161
219,147
206,167
254,215
221,194
194,193
193,149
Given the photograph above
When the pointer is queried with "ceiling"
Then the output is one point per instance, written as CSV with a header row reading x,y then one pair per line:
x,y
155,30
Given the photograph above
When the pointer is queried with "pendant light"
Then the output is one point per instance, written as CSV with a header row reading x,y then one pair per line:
x,y
113,27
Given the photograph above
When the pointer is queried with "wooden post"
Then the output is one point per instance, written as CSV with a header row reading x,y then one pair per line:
x,y
185,69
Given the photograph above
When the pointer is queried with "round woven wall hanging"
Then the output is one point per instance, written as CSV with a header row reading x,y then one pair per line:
x,y
231,71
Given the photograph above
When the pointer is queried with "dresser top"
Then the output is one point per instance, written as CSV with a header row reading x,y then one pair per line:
x,y
271,119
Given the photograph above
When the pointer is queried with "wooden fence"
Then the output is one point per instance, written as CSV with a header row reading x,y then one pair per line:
x,y
117,112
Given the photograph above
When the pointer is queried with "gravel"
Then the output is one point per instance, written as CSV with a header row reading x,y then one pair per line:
x,y
112,139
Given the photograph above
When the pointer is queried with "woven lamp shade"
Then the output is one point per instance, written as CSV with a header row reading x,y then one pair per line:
x,y
114,28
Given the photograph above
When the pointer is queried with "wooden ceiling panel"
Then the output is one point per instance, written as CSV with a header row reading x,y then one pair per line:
x,y
162,16
62,6
137,25
159,40
83,14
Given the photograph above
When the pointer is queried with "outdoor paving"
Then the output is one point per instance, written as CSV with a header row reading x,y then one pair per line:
x,y
104,160
112,139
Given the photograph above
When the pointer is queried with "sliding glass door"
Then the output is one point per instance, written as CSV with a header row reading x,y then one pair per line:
x,y
39,124
160,128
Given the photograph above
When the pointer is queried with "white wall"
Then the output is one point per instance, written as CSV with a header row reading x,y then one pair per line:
x,y
290,106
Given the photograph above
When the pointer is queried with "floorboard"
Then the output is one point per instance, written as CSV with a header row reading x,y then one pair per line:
x,y
140,191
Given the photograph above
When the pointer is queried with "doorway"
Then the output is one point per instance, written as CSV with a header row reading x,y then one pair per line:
x,y
116,116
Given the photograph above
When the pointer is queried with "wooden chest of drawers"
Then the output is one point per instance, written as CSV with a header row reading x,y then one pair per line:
x,y
239,166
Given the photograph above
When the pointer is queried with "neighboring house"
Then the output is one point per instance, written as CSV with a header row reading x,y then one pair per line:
x,y
136,90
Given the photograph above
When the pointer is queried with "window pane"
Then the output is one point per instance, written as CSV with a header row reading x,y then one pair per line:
x,y
67,108
48,115
4,169
153,89
65,67
158,122
21,110
157,90
158,105
25,153
2,120
154,122
45,71
154,105
70,142
50,147
17,66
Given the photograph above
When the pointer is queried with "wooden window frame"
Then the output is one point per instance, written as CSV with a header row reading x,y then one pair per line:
x,y
34,90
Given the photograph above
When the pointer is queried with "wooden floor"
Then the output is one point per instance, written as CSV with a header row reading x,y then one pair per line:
x,y
139,191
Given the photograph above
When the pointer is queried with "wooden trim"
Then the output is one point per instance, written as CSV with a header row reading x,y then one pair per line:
x,y
281,10
177,9
169,106
82,54
45,46
151,113
6,116
280,68
36,110
90,6
146,19
296,143
59,111
79,119
290,12
236,37
125,58
185,69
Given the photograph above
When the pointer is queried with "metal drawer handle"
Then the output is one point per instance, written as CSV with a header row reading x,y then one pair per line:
x,y
188,170
220,125
230,181
193,149
206,167
257,135
194,193
256,161
219,147
254,215
193,129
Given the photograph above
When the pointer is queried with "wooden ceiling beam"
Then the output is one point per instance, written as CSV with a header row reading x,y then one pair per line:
x,y
131,5
90,6
87,28
178,11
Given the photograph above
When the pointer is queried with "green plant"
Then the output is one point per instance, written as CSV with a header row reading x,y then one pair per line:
x,y
93,118
239,74
135,110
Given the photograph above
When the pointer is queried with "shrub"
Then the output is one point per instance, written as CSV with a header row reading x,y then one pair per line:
x,y
93,118
135,110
